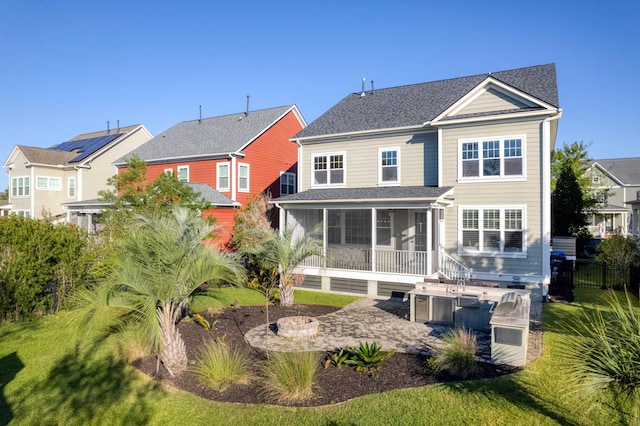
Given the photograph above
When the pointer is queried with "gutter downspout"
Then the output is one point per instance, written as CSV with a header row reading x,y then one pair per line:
x,y
546,202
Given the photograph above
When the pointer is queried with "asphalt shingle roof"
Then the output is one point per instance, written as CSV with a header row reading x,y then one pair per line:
x,y
209,136
373,193
210,194
626,170
415,104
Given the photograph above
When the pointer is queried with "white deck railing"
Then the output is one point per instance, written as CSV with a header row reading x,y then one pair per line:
x,y
451,268
360,259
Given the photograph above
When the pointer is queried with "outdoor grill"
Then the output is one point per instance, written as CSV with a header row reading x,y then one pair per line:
x,y
508,303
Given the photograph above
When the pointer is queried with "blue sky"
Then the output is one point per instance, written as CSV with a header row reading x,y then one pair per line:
x,y
68,67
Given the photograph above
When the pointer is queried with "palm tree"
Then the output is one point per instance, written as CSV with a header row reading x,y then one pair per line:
x,y
161,263
287,251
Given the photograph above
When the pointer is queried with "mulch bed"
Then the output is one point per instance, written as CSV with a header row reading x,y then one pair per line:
x,y
334,385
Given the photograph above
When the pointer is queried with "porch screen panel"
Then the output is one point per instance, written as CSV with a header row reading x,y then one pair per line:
x,y
357,227
304,220
383,228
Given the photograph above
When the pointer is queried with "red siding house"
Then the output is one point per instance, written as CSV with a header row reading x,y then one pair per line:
x,y
228,158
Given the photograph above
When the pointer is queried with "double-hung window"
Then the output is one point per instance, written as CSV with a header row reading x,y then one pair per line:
x,y
328,169
222,174
494,230
71,187
243,177
389,166
491,158
20,186
183,173
287,183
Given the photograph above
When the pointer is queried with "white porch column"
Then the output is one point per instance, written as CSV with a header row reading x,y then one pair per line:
x,y
90,223
429,226
374,238
325,231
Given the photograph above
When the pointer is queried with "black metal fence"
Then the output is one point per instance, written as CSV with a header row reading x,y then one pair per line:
x,y
587,273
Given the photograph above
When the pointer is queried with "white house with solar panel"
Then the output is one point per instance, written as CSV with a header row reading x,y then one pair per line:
x,y
43,180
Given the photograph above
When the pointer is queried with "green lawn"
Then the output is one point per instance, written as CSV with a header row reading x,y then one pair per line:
x,y
44,379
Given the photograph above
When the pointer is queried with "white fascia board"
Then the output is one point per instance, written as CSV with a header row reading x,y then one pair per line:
x,y
186,158
347,135
499,117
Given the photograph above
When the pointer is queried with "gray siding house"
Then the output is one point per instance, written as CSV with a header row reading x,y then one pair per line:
x,y
445,179
618,211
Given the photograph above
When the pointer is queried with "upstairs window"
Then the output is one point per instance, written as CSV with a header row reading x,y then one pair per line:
x,y
287,183
71,187
49,183
388,166
222,172
328,169
183,173
20,187
491,158
243,177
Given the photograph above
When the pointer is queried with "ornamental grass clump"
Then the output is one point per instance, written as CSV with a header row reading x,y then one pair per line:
x,y
603,353
220,366
457,355
290,376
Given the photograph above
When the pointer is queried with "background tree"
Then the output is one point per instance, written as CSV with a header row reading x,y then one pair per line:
x,y
131,194
161,263
573,197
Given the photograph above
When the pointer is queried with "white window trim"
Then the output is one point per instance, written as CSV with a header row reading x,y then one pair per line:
x,y
47,186
69,186
388,183
295,182
502,208
502,177
17,178
240,188
344,170
218,167
169,171
178,173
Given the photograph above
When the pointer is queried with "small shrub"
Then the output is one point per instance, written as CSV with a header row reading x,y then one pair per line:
x,y
131,344
220,366
457,355
368,357
337,358
203,322
290,376
603,353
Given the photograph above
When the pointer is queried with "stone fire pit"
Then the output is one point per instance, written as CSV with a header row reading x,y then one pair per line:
x,y
298,327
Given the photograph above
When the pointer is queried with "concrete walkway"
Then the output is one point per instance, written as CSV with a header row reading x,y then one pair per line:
x,y
386,322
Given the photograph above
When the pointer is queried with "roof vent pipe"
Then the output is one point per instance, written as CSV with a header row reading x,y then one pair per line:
x,y
107,127
372,87
363,79
200,119
118,126
247,111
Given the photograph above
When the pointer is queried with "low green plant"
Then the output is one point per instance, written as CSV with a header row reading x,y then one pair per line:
x,y
131,344
220,366
203,321
603,353
290,376
368,357
457,354
337,358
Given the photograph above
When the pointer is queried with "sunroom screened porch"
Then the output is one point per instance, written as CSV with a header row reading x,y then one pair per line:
x,y
387,230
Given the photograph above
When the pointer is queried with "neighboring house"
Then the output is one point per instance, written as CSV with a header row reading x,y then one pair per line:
x,y
43,180
449,178
229,158
619,179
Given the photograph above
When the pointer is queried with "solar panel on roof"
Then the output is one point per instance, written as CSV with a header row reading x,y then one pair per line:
x,y
85,147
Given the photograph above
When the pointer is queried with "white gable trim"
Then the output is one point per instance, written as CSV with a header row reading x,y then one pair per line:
x,y
481,88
